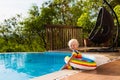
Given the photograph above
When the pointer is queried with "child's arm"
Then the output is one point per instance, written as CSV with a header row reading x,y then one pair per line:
x,y
68,63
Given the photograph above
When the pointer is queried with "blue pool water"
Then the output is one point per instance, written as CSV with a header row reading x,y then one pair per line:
x,y
24,66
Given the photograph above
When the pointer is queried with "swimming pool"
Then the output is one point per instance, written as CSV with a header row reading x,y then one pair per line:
x,y
24,66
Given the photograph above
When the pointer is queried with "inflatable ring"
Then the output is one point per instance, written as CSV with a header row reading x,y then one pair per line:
x,y
82,64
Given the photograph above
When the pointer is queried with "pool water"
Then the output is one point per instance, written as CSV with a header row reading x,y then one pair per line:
x,y
24,66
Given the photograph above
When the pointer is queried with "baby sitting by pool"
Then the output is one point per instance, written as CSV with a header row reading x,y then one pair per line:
x,y
77,61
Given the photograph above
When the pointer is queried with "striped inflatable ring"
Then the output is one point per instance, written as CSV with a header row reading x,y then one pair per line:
x,y
81,64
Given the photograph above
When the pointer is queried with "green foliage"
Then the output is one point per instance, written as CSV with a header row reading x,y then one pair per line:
x,y
115,3
117,11
85,22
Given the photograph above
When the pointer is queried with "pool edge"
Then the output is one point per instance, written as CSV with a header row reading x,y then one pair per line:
x,y
56,75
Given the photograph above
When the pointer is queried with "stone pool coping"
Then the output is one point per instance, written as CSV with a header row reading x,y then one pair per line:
x,y
56,75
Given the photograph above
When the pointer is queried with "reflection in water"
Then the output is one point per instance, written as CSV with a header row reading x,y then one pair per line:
x,y
10,74
14,61
11,66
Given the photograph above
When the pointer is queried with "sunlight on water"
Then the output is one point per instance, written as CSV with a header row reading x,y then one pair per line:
x,y
10,74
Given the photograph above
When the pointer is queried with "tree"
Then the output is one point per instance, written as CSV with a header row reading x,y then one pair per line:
x,y
34,28
117,11
115,3
11,33
64,12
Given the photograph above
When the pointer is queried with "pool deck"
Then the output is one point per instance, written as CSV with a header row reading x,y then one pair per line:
x,y
108,71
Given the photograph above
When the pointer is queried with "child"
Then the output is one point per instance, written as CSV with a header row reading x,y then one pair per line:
x,y
73,45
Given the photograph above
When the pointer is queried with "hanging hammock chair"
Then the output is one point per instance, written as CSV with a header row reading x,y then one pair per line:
x,y
103,29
